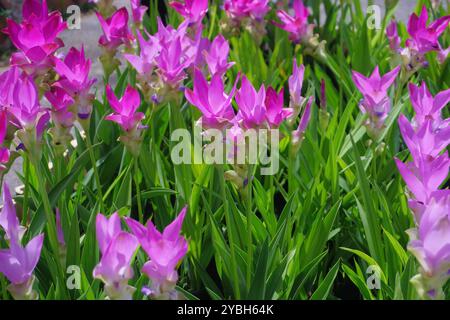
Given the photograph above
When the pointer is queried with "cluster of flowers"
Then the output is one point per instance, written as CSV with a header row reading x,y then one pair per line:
x,y
423,39
37,70
118,248
427,136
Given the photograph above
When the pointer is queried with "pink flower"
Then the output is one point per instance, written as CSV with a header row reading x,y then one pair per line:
x,y
425,38
376,102
115,30
299,134
217,56
239,9
428,107
17,263
165,250
61,101
392,34
25,109
295,84
430,243
137,11
145,62
117,248
125,109
74,73
8,80
297,26
172,63
275,112
192,10
211,100
252,109
36,37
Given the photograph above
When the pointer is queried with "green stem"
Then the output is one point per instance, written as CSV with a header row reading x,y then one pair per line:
x,y
4,285
230,233
51,223
96,175
248,207
138,190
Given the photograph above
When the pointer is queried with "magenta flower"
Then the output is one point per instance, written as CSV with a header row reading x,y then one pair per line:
x,y
28,114
61,101
430,243
74,73
255,9
8,80
4,151
126,116
165,251
36,37
217,56
125,109
392,34
428,107
425,38
192,10
275,111
376,102
172,63
115,30
251,103
211,100
18,263
117,248
145,62
295,85
137,11
297,26
299,134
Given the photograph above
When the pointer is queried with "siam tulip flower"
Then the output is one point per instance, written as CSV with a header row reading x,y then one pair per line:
x,y
211,100
18,263
137,12
246,14
424,140
297,26
217,56
8,80
28,115
74,72
36,37
4,151
430,243
126,116
423,39
428,107
115,33
275,113
144,63
192,10
171,68
376,103
165,250
115,30
299,135
256,9
392,34
295,88
251,103
117,248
